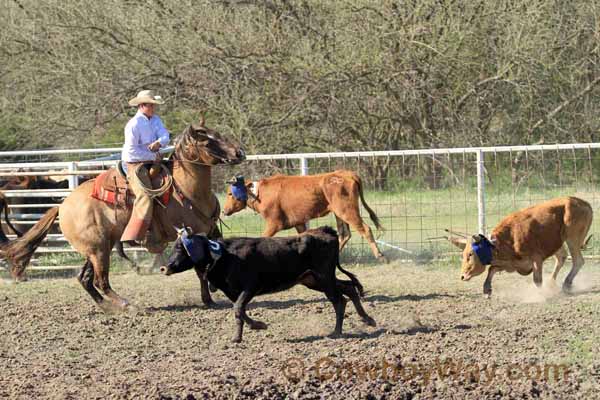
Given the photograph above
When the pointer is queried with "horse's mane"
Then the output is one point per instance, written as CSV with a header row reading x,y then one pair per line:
x,y
182,142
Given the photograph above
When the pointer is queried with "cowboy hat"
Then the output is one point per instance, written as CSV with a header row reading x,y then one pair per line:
x,y
146,97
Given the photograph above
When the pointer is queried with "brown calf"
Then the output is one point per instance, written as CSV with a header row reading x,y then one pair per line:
x,y
291,201
524,239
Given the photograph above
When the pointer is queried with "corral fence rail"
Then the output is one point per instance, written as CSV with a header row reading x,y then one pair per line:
x,y
416,193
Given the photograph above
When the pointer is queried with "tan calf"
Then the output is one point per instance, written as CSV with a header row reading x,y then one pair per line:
x,y
291,201
524,239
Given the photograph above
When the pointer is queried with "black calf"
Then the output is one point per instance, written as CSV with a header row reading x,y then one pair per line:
x,y
246,267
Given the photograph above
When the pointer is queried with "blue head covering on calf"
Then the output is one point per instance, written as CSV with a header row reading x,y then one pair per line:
x,y
216,249
238,189
194,247
483,248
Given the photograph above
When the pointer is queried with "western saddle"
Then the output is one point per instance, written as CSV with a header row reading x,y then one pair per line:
x,y
112,187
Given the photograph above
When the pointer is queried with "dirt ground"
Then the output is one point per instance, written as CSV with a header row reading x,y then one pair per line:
x,y
437,337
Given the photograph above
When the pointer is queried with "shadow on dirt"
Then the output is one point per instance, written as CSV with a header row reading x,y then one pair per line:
x,y
278,305
219,305
284,304
360,335
576,292
281,304
463,327
410,331
413,330
411,297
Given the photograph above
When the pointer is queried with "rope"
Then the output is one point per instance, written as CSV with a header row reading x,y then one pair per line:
x,y
151,191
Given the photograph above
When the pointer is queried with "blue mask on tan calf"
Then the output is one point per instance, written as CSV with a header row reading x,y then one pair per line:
x,y
239,190
483,248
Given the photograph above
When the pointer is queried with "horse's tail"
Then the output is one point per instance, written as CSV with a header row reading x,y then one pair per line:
x,y
19,251
4,207
587,241
372,214
121,252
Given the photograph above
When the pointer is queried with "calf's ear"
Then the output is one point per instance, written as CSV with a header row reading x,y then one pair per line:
x,y
250,190
458,242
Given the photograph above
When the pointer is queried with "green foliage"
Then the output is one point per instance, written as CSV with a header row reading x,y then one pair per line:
x,y
10,129
304,75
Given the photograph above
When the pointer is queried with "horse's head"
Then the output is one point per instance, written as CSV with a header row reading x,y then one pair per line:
x,y
201,144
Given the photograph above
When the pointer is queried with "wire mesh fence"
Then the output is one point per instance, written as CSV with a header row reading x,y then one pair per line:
x,y
419,193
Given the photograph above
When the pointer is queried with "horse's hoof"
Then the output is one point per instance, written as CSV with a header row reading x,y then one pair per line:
x,y
257,325
108,307
369,321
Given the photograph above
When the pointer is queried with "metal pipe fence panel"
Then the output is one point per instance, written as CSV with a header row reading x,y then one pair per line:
x,y
416,193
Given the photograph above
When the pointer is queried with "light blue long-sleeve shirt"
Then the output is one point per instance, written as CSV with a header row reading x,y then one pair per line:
x,y
140,131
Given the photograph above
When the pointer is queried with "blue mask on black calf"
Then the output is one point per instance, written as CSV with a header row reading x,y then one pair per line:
x,y
194,247
239,190
483,249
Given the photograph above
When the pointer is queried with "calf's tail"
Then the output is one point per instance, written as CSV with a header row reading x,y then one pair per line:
x,y
372,214
354,279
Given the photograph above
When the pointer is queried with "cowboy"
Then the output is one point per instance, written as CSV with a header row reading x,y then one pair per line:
x,y
145,135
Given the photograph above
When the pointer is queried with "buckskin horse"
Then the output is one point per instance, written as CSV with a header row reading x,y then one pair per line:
x,y
93,227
